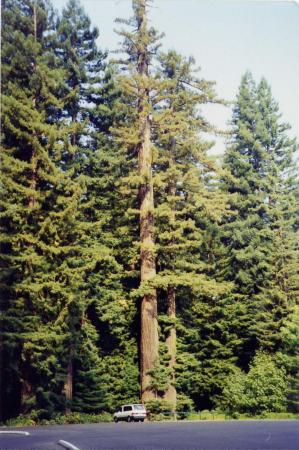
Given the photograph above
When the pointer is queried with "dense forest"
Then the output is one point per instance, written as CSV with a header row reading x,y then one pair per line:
x,y
134,265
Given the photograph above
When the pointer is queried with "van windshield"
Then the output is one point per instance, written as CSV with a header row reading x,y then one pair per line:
x,y
139,407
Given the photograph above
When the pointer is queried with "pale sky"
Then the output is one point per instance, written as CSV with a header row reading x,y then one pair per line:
x,y
226,37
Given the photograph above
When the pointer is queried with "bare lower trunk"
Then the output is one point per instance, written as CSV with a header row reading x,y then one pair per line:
x,y
68,385
149,345
170,394
26,392
149,323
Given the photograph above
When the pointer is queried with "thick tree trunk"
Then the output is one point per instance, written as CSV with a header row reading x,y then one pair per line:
x,y
170,394
149,347
149,323
26,393
35,20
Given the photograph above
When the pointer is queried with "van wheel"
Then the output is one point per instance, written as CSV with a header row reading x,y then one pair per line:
x,y
129,419
141,420
115,419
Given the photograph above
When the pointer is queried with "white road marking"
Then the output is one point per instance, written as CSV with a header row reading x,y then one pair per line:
x,y
268,438
23,433
67,445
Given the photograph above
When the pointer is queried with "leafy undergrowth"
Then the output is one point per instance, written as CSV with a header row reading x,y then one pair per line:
x,y
218,415
60,419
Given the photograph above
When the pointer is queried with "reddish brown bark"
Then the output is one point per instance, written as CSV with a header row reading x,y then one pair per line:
x,y
149,325
170,394
68,385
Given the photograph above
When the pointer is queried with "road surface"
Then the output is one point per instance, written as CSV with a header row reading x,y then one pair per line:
x,y
204,435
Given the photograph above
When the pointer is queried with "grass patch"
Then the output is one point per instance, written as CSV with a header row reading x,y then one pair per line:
x,y
206,415
218,415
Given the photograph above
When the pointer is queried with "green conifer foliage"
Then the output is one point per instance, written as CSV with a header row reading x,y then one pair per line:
x,y
91,110
290,356
184,178
134,135
282,190
131,262
41,283
185,198
84,63
259,235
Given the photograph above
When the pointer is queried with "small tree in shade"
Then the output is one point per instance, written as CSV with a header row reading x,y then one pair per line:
x,y
265,386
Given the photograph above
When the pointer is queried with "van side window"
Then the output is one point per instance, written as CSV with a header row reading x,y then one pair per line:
x,y
127,408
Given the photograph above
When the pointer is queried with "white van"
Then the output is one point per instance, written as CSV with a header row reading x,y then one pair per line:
x,y
130,413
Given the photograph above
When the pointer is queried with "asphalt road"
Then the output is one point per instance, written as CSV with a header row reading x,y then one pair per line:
x,y
205,435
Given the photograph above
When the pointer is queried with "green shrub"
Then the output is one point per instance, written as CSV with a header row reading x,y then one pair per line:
x,y
159,409
21,421
103,417
280,415
59,419
77,417
234,415
185,406
265,386
234,392
259,392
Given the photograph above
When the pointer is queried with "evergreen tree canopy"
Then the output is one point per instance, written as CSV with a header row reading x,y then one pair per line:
x,y
259,236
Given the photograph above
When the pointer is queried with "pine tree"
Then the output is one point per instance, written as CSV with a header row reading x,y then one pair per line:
x,y
76,48
262,202
91,109
84,64
135,135
182,171
282,285
169,110
41,283
20,145
282,191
